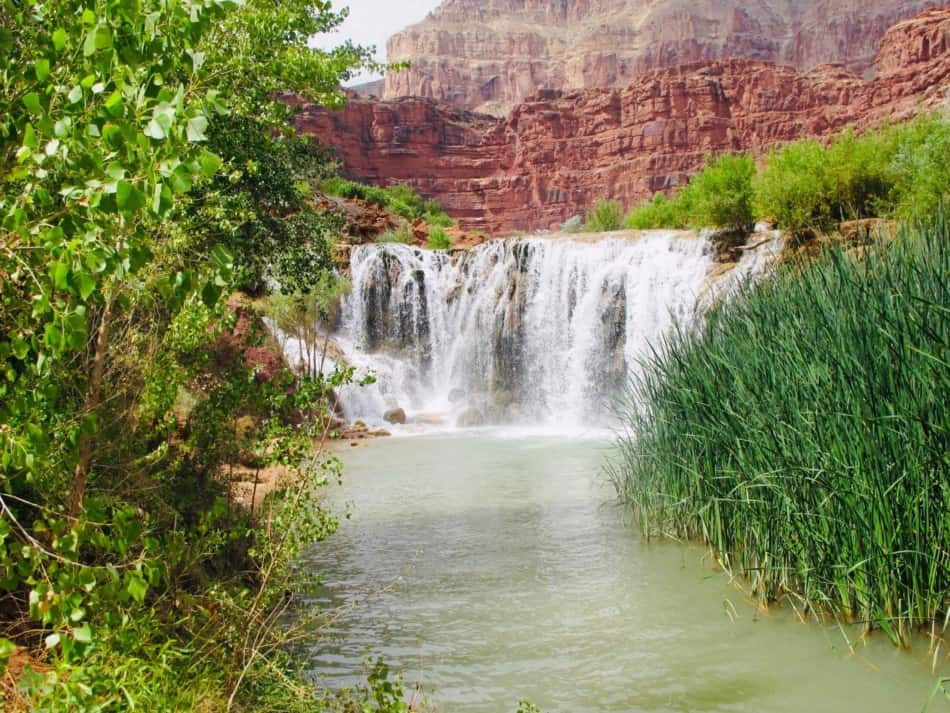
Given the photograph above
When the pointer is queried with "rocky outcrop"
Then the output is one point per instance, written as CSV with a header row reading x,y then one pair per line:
x,y
489,55
557,152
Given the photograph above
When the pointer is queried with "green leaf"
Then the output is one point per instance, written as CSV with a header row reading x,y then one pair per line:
x,y
41,67
154,130
7,648
62,127
83,634
32,102
210,163
128,197
21,348
98,38
51,641
137,587
29,137
75,94
59,273
53,337
180,180
59,39
113,104
197,126
210,294
222,258
87,285
89,45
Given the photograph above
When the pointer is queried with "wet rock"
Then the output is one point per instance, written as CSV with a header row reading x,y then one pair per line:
x,y
359,427
429,419
470,417
395,416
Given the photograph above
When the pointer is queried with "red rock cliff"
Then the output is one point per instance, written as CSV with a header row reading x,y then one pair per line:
x,y
488,55
556,153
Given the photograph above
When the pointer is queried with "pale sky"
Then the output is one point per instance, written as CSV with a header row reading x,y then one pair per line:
x,y
371,22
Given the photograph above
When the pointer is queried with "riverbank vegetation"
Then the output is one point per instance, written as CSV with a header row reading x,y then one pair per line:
x,y
399,199
147,174
809,187
803,432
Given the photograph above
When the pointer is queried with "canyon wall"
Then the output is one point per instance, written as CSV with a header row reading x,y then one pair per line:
x,y
488,55
558,152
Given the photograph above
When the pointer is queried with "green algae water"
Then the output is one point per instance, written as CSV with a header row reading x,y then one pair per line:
x,y
491,566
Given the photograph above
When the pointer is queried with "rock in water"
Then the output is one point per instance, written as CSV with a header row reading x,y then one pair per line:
x,y
470,417
395,416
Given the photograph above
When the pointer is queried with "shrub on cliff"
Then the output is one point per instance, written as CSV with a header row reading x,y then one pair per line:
x,y
920,167
795,188
803,434
438,239
721,196
604,216
661,212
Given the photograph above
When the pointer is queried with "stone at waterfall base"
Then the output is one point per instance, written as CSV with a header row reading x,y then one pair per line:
x,y
470,417
395,416
358,431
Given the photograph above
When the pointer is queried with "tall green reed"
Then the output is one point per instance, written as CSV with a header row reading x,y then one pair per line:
x,y
804,434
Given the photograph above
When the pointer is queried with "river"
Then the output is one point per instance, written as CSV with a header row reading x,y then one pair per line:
x,y
515,576
491,564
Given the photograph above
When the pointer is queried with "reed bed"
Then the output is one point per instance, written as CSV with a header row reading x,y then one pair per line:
x,y
803,434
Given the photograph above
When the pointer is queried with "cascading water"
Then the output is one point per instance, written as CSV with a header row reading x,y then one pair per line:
x,y
526,330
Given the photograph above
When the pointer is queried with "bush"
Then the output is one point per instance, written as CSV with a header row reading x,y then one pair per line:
x,y
721,196
399,199
794,189
605,216
401,236
438,220
661,212
920,168
815,466
573,225
438,240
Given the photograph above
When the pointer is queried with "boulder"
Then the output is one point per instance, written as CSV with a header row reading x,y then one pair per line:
x,y
395,416
470,417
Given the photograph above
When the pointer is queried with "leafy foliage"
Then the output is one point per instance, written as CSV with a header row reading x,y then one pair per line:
x,y
260,210
604,216
438,239
402,200
721,196
808,187
814,467
661,212
145,174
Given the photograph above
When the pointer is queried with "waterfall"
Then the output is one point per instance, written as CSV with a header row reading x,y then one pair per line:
x,y
534,330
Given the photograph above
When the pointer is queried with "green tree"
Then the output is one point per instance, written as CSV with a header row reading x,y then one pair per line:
x,y
112,114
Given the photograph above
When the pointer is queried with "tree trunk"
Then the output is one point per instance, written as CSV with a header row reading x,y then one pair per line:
x,y
93,397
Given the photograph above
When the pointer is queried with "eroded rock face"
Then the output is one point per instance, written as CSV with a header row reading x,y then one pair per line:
x,y
489,55
556,153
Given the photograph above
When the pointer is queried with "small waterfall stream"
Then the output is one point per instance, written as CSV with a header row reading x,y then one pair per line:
x,y
538,330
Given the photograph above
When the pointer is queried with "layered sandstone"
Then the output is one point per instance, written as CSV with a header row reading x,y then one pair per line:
x,y
488,55
558,152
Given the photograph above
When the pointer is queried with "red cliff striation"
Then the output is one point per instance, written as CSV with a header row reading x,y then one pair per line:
x,y
488,55
556,153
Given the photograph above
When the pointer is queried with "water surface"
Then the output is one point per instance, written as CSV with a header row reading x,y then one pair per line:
x,y
517,578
